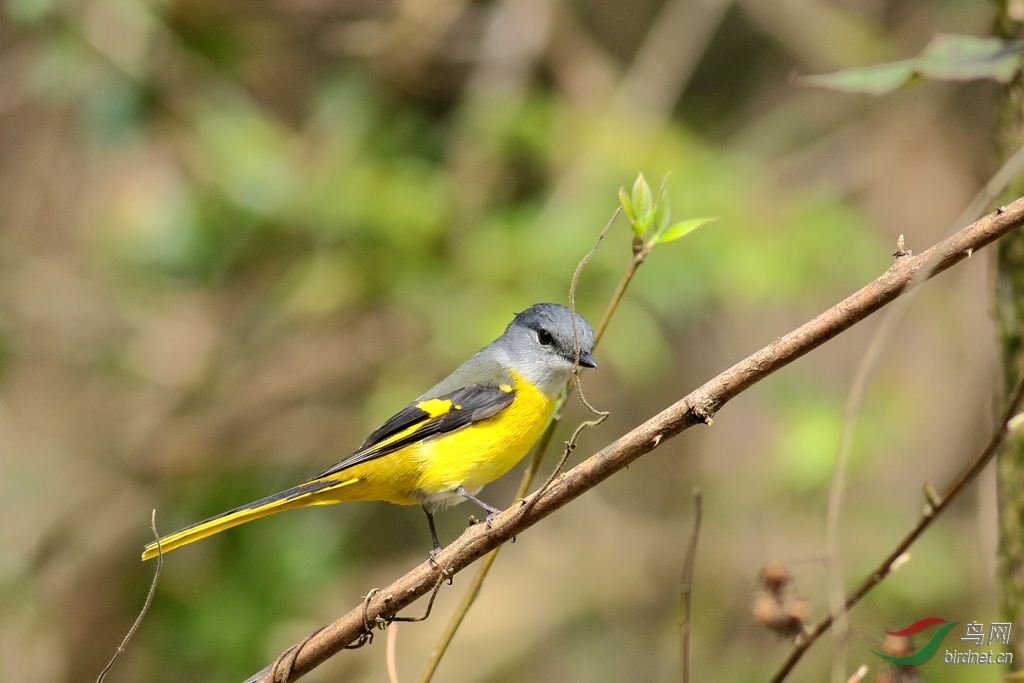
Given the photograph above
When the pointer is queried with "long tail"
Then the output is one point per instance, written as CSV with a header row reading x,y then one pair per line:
x,y
297,496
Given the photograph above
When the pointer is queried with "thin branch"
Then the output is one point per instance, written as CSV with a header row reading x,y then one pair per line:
x,y
859,674
932,510
575,282
686,587
389,652
620,289
145,606
695,408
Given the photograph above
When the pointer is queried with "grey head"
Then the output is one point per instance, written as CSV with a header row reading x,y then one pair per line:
x,y
540,345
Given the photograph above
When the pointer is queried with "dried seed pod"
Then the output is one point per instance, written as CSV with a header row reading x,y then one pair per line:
x,y
766,610
775,577
773,608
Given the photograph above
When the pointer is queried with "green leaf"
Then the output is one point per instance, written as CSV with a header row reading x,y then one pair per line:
x,y
873,80
627,206
643,201
946,58
968,58
683,227
663,210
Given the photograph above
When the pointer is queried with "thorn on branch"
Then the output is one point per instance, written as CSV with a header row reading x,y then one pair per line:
x,y
900,250
934,499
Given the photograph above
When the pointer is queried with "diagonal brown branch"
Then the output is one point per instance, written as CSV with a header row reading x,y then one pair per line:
x,y
695,408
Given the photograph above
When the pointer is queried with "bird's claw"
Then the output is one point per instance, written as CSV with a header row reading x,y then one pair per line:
x,y
432,558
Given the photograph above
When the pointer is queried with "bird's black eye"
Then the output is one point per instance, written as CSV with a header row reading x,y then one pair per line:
x,y
544,337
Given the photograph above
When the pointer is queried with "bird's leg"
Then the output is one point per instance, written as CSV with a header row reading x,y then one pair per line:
x,y
491,511
433,537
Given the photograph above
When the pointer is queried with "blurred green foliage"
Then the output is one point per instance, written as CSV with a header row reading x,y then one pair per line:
x,y
945,58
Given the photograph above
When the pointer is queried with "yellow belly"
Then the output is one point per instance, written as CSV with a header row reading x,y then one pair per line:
x,y
471,457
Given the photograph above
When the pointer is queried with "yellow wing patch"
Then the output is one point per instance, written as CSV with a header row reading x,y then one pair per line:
x,y
436,407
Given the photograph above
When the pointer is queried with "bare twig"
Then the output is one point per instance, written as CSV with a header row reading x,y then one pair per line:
x,y
695,408
620,289
145,606
443,574
572,294
932,510
686,588
389,654
859,674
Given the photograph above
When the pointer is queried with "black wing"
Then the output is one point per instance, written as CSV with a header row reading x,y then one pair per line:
x,y
427,418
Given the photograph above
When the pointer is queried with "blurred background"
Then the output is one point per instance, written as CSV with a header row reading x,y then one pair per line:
x,y
235,236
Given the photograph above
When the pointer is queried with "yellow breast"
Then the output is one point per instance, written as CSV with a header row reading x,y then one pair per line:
x,y
485,450
471,457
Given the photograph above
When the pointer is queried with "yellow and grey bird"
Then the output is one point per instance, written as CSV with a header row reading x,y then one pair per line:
x,y
446,445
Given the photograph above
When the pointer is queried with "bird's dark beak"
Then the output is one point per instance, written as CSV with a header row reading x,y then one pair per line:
x,y
587,361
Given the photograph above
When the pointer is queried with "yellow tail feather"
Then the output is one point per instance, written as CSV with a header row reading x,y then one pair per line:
x,y
298,496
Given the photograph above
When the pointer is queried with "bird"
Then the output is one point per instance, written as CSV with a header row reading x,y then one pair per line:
x,y
441,449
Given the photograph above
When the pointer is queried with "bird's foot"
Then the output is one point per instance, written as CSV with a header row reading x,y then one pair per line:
x,y
432,558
